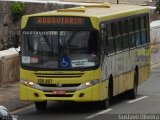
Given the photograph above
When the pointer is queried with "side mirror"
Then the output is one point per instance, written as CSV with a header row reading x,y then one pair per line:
x,y
16,41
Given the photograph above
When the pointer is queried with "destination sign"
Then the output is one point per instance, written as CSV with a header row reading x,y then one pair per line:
x,y
58,21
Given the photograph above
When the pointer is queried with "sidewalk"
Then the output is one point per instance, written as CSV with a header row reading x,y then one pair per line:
x,y
9,97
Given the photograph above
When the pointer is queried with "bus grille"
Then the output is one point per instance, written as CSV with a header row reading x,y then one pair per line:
x,y
51,95
63,85
67,75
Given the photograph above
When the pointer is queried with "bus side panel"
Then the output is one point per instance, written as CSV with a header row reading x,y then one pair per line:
x,y
23,92
127,68
105,74
125,81
131,80
143,74
127,84
104,90
140,63
111,70
115,86
111,65
145,61
120,71
133,58
121,83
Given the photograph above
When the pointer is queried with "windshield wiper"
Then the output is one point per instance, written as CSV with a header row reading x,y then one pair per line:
x,y
65,46
71,38
47,41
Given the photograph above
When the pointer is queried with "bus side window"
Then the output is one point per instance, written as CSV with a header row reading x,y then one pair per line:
x,y
125,36
110,43
147,27
137,31
143,22
118,37
132,38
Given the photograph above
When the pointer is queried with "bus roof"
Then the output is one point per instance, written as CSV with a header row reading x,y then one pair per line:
x,y
97,12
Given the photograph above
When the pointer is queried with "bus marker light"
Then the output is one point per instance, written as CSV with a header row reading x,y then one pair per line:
x,y
26,83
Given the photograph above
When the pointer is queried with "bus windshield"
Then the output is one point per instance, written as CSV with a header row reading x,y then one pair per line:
x,y
59,49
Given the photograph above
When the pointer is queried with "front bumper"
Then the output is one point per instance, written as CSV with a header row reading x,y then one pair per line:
x,y
81,95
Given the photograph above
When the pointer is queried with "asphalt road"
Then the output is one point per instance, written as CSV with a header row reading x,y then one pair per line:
x,y
147,102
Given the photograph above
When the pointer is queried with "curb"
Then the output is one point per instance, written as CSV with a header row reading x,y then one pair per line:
x,y
15,110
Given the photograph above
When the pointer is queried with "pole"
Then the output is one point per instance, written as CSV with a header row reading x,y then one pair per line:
x,y
117,1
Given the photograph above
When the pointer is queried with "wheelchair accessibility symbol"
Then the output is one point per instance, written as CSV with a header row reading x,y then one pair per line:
x,y
65,62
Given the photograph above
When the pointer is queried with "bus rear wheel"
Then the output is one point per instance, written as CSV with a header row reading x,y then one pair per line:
x,y
133,92
41,106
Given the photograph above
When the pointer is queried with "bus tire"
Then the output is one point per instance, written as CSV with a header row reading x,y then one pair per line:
x,y
110,91
41,106
133,92
104,104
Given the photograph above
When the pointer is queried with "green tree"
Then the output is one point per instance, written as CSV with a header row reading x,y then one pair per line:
x,y
158,6
17,10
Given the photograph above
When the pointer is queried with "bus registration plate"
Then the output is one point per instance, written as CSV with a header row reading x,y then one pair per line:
x,y
58,92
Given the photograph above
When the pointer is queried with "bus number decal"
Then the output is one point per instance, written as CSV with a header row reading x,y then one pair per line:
x,y
44,81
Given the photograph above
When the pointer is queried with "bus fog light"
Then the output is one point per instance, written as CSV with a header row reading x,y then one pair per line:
x,y
36,94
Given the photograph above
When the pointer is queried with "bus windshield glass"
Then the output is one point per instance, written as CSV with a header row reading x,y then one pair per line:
x,y
59,49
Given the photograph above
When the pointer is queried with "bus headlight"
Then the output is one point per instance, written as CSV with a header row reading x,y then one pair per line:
x,y
89,84
31,83
26,82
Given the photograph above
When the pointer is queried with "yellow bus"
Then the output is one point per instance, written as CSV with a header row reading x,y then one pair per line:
x,y
84,54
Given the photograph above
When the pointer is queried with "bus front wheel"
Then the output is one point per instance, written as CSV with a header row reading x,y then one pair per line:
x,y
104,104
41,106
